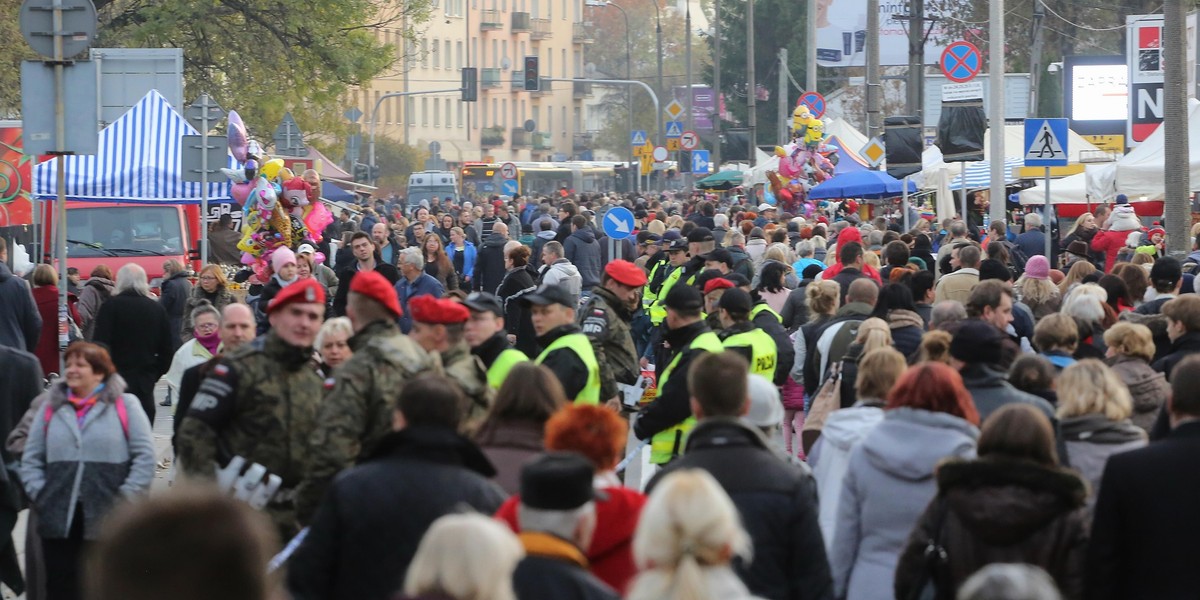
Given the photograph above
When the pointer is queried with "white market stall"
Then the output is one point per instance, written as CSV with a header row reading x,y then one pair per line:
x,y
1140,173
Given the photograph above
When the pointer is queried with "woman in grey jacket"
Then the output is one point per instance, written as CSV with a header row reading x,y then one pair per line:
x,y
89,445
890,479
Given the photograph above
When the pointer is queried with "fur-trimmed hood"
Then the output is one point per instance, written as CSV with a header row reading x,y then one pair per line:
x,y
1003,501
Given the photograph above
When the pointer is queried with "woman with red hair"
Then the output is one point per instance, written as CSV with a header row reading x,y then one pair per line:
x,y
598,434
890,480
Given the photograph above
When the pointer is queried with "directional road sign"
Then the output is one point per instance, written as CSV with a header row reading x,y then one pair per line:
x,y
961,62
700,161
509,187
673,129
508,170
690,140
1045,142
618,223
659,154
637,137
815,103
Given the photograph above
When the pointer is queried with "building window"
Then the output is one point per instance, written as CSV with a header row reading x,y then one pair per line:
x,y
504,112
564,121
495,53
550,62
373,105
424,111
504,52
424,54
563,62
410,108
496,113
437,113
458,53
446,55
564,10
533,8
460,113
436,63
578,119
447,105
522,112
550,119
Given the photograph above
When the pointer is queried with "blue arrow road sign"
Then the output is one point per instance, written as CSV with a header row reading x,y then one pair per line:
x,y
1046,142
637,137
509,187
674,129
618,223
700,161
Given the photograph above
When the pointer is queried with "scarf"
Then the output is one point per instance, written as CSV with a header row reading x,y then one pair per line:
x,y
210,341
83,405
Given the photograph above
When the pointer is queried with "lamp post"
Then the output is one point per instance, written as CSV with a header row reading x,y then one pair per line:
x,y
628,75
658,41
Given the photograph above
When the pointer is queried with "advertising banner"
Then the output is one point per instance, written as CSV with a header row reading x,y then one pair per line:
x,y
16,174
842,33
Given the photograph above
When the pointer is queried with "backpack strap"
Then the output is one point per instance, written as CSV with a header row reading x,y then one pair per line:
x,y
123,415
49,414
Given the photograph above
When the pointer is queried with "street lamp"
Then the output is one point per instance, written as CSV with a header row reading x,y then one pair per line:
x,y
628,75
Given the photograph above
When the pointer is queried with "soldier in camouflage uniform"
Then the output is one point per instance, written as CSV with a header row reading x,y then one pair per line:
x,y
261,401
357,410
605,320
438,327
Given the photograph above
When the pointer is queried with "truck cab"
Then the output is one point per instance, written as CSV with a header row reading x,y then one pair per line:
x,y
118,233
433,186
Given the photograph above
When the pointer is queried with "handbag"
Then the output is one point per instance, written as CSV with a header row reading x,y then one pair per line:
x,y
932,583
829,399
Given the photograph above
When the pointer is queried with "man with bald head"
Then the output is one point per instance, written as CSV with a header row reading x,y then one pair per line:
x,y
832,339
489,262
236,329
385,244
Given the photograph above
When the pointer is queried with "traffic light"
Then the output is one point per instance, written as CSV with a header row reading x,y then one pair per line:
x,y
531,74
470,84
373,172
362,172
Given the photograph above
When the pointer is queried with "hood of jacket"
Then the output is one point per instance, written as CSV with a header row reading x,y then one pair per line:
x,y
724,432
890,447
849,234
585,235
904,318
495,240
1144,383
564,268
1004,501
1098,429
521,434
5,273
113,386
436,445
847,427
102,282
547,235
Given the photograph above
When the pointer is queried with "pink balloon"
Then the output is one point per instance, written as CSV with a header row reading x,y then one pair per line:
x,y
239,141
247,258
241,191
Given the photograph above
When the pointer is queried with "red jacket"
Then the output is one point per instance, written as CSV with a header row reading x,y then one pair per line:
x,y
1110,243
850,234
610,557
46,299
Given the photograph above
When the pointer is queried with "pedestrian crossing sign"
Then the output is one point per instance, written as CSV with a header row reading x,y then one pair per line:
x,y
1046,143
637,137
674,129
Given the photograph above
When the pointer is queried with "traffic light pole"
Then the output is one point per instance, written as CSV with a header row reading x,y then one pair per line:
x,y
375,113
658,132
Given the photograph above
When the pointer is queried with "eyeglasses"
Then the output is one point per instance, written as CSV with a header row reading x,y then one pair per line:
x,y
207,278
206,325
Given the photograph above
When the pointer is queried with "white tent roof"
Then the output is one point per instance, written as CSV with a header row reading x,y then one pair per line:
x,y
853,138
1140,173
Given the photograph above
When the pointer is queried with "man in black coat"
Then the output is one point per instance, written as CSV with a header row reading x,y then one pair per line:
x,y
366,258
777,500
489,262
20,383
366,531
557,516
20,322
1146,527
137,333
175,288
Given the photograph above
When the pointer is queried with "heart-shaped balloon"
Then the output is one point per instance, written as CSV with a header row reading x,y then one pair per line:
x,y
237,138
241,191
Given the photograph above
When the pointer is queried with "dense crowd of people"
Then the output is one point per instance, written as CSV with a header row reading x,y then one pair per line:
x,y
492,399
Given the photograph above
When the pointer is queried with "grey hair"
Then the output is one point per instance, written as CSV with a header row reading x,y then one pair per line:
x,y
805,248
958,229
205,308
413,257
132,277
721,220
554,248
562,523
946,311
334,326
875,238
1001,581
1033,220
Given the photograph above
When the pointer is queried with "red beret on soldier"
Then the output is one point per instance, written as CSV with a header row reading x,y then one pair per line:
x,y
376,287
719,283
303,291
625,273
427,309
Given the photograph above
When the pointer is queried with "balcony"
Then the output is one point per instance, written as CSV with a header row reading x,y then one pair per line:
x,y
540,29
520,138
491,20
542,140
489,78
581,33
582,90
492,137
582,142
543,88
518,81
520,21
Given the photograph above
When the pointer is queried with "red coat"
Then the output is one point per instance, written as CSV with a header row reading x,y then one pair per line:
x,y
610,558
1110,243
46,298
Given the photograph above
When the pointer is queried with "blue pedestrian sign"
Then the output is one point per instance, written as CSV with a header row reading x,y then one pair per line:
x,y
637,137
674,129
618,223
700,161
508,187
1046,142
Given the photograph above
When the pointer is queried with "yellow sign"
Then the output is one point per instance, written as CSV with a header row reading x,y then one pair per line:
x,y
1111,143
1039,172
644,150
647,164
672,144
674,109
874,152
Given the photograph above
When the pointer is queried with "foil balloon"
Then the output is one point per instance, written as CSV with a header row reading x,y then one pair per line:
x,y
271,168
241,191
237,138
316,218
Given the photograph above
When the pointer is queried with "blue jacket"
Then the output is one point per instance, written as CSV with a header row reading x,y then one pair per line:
x,y
425,285
468,260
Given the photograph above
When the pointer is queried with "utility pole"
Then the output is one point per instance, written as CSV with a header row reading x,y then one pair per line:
x,y
781,115
996,112
915,87
751,86
716,151
687,57
662,90
1175,95
1035,58
874,90
810,49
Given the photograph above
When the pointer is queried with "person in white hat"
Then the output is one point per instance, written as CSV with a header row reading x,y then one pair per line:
x,y
321,271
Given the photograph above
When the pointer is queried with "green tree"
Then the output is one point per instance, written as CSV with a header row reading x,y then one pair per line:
x,y
396,162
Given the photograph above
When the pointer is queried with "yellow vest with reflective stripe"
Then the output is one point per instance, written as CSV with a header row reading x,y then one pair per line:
x,y
648,295
582,347
760,308
507,359
763,351
658,310
668,444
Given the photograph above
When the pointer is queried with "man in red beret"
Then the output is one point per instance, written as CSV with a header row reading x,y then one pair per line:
x,y
439,327
260,399
356,413
606,320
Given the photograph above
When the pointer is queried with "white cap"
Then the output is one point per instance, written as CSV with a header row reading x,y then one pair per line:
x,y
766,408
306,249
765,207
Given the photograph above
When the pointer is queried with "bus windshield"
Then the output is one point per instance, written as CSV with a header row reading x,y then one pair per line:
x,y
124,231
480,180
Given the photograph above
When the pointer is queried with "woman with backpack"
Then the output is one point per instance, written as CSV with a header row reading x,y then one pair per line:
x,y
89,446
97,290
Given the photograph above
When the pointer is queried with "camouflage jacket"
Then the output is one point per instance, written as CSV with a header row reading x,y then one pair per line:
x,y
357,410
605,321
469,372
259,402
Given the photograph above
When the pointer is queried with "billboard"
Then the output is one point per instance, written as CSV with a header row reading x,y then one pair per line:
x,y
1096,97
842,34
704,104
16,175
1144,41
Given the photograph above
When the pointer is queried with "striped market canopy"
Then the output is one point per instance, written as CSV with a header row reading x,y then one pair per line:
x,y
979,174
138,161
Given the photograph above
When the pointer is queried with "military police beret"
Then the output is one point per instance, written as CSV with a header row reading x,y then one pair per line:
x,y
427,309
376,287
304,291
626,273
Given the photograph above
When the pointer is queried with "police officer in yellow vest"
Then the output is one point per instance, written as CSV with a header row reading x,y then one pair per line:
x,y
566,351
743,336
485,334
668,419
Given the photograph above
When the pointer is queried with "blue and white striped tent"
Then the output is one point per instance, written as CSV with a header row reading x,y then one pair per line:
x,y
979,174
138,161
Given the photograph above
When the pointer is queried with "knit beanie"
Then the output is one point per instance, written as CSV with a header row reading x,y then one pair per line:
x,y
282,256
976,341
1037,267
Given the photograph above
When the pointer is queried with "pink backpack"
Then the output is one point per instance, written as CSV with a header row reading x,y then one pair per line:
x,y
122,414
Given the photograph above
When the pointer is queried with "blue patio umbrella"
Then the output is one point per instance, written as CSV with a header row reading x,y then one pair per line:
x,y
861,184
